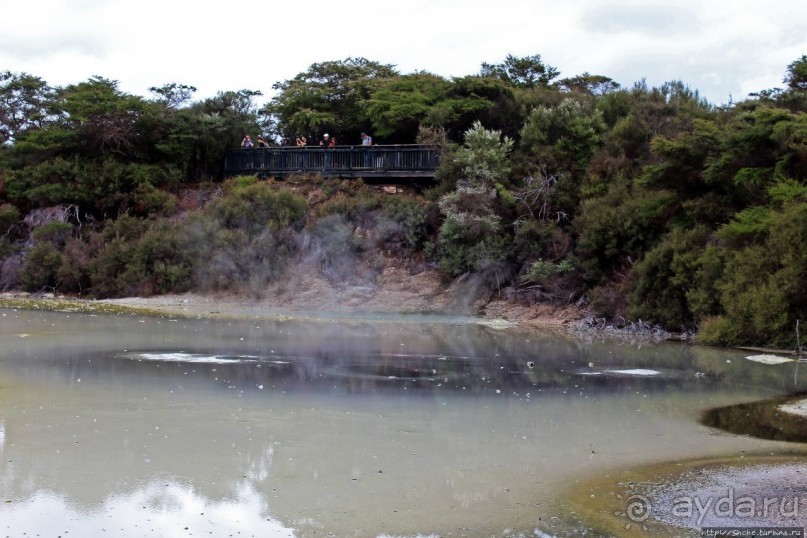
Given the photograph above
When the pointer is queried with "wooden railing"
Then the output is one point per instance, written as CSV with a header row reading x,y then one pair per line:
x,y
339,161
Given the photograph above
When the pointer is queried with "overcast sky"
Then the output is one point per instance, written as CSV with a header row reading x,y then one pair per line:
x,y
725,49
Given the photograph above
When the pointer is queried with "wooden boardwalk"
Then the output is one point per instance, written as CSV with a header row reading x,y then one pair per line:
x,y
398,161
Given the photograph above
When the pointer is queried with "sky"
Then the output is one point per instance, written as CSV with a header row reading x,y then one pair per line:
x,y
724,49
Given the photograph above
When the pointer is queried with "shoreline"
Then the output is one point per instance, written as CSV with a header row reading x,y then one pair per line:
x,y
495,314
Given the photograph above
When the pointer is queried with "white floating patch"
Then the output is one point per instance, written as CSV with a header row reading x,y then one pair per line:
x,y
769,359
635,371
189,357
796,408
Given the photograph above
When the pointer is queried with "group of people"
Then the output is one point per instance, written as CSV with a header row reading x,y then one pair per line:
x,y
248,143
301,141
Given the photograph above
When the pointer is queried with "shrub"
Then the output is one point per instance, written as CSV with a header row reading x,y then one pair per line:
x,y
718,331
39,270
9,216
470,248
73,275
403,223
663,276
56,233
159,262
254,207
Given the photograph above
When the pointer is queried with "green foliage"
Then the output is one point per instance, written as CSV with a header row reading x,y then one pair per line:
x,y
533,239
40,267
526,72
788,190
351,206
540,270
563,137
747,226
483,158
702,298
662,278
131,257
683,159
398,106
403,223
159,263
796,77
242,240
588,84
73,275
489,101
256,207
24,103
9,216
327,97
756,147
56,233
762,289
149,200
471,249
559,142
614,230
718,331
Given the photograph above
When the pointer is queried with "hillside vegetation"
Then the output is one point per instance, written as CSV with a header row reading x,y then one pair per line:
x,y
641,203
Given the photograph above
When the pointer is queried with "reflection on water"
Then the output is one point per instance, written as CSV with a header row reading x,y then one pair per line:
x,y
158,509
763,419
147,426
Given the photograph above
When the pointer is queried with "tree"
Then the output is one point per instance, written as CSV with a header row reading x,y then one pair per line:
x,y
474,99
24,104
796,77
327,97
173,95
560,141
398,106
471,237
597,85
102,116
526,72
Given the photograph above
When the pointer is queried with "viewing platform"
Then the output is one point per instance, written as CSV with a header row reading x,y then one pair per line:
x,y
390,161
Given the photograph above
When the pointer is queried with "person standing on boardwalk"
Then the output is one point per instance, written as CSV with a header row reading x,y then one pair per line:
x,y
366,142
326,142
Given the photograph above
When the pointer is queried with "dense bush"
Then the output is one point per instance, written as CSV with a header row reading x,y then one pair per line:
x,y
40,268
9,216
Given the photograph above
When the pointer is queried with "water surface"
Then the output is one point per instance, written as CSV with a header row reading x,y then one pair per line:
x,y
137,426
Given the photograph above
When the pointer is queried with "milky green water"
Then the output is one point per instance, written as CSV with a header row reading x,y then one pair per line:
x,y
134,426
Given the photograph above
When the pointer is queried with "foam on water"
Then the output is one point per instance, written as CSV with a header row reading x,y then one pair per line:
x,y
769,359
199,358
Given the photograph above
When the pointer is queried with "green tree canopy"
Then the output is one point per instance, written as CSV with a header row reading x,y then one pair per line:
x,y
24,104
525,72
327,97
